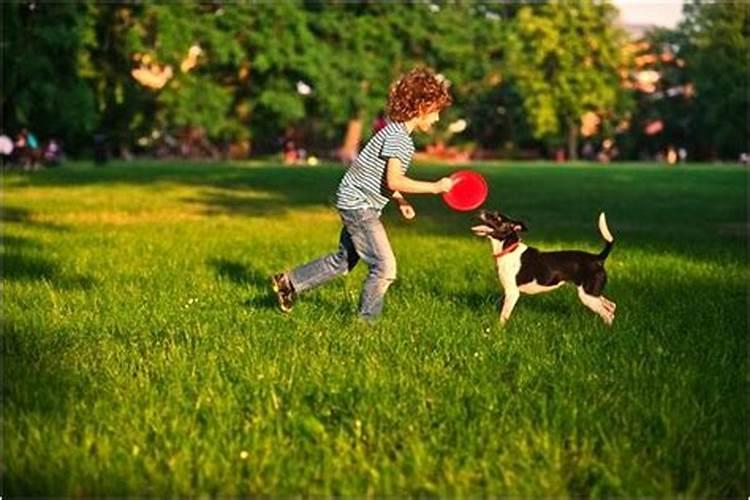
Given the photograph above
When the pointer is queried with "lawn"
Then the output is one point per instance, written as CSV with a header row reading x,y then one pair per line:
x,y
142,353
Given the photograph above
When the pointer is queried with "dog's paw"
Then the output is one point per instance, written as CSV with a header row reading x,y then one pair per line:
x,y
608,305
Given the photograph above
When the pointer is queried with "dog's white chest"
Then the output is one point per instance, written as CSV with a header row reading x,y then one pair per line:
x,y
508,267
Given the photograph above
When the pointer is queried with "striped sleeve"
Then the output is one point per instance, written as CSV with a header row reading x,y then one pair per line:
x,y
395,146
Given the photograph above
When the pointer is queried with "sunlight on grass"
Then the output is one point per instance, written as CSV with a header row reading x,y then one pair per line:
x,y
143,354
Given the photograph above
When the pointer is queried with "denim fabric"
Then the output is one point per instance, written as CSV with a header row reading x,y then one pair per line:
x,y
362,237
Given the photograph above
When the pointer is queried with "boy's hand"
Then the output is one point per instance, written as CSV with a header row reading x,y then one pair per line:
x,y
443,185
407,211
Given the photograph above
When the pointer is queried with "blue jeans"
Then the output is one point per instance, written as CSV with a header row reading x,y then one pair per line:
x,y
362,237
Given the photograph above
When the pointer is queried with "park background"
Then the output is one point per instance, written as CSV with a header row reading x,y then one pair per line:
x,y
252,78
201,145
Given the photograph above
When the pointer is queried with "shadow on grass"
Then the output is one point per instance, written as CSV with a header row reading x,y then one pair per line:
x,y
281,188
35,378
256,282
238,273
19,258
39,392
234,203
23,216
486,301
680,211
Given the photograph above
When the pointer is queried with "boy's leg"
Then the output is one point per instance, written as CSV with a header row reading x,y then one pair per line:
x,y
371,243
324,269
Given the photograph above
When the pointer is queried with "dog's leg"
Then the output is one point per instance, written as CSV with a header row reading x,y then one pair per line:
x,y
511,297
608,304
596,304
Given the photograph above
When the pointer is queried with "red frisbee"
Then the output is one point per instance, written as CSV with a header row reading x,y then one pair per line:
x,y
469,191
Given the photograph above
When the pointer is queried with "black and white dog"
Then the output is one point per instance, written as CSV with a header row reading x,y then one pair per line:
x,y
522,268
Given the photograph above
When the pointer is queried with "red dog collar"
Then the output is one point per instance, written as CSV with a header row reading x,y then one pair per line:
x,y
508,250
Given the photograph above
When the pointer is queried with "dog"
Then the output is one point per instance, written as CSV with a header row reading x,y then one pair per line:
x,y
523,268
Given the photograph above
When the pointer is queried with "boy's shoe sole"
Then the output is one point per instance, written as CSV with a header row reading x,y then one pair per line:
x,y
283,294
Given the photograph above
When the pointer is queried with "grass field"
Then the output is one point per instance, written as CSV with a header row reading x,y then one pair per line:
x,y
142,353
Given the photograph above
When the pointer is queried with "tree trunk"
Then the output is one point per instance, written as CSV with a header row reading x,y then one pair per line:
x,y
353,136
572,140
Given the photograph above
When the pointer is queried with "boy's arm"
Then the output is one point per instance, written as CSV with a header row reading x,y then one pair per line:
x,y
397,181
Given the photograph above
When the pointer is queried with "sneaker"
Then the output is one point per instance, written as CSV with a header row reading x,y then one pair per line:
x,y
284,291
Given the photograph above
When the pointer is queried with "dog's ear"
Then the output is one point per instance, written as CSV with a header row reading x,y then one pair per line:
x,y
482,230
519,227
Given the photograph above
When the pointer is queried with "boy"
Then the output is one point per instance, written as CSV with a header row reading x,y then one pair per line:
x,y
376,175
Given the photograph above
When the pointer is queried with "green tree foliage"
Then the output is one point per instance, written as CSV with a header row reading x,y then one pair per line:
x,y
201,94
124,110
717,61
280,51
669,100
358,49
42,87
464,41
564,58
521,72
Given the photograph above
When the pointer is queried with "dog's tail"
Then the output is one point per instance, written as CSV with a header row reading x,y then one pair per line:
x,y
604,230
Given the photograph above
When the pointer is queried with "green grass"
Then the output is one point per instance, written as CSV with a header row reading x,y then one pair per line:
x,y
142,354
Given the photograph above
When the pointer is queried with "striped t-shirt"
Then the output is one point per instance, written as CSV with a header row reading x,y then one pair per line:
x,y
364,184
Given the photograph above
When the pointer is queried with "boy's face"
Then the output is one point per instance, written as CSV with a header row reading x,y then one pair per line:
x,y
424,122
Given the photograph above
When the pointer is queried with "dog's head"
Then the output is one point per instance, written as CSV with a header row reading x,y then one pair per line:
x,y
498,226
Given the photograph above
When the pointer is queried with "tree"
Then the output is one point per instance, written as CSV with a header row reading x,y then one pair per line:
x,y
663,115
462,40
242,70
197,49
717,62
42,88
124,110
564,59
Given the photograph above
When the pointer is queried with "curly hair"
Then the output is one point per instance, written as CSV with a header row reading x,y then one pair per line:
x,y
418,92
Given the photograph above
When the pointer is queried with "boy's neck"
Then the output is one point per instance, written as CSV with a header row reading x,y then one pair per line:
x,y
410,125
